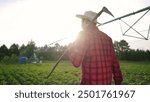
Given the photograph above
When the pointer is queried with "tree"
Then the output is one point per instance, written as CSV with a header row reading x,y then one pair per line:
x,y
57,47
116,46
14,49
121,46
3,51
124,46
22,50
28,50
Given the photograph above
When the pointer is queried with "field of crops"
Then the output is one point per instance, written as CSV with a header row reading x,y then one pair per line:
x,y
135,73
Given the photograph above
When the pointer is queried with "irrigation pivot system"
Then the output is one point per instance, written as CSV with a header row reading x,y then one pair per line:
x,y
147,9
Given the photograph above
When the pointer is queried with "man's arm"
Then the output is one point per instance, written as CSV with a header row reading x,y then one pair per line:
x,y
77,49
118,78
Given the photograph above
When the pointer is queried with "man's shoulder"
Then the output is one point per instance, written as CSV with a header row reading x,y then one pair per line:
x,y
101,33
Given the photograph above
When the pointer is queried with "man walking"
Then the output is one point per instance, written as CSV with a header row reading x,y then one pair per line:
x,y
94,50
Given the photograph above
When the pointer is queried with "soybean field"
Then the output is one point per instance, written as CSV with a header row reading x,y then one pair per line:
x,y
134,73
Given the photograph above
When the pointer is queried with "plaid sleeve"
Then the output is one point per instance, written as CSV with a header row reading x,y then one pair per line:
x,y
78,49
116,68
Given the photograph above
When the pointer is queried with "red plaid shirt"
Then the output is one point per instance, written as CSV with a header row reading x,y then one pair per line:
x,y
94,50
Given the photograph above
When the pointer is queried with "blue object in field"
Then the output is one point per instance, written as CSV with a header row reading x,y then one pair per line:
x,y
23,60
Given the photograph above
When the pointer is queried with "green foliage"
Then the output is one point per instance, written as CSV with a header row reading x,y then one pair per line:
x,y
121,46
135,73
125,53
32,74
51,53
135,55
3,51
14,49
13,59
28,50
46,53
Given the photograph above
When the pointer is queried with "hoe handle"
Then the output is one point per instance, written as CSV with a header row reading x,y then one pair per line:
x,y
57,63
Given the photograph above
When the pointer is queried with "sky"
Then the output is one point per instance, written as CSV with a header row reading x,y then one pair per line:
x,y
46,21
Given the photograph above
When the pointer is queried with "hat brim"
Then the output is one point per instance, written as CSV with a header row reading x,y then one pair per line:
x,y
85,17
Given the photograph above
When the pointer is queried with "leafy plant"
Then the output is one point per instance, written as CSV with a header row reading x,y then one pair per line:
x,y
135,73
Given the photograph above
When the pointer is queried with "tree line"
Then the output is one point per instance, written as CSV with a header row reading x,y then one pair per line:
x,y
32,52
52,53
124,52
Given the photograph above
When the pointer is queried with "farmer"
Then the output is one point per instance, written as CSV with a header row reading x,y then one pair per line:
x,y
94,50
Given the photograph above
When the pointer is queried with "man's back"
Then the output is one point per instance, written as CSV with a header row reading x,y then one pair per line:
x,y
97,62
94,50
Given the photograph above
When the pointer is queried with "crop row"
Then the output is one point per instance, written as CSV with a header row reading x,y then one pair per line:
x,y
65,73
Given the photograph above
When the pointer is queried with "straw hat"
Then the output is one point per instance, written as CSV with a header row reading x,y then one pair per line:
x,y
88,15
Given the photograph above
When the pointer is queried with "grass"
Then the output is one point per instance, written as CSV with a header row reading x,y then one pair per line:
x,y
135,73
